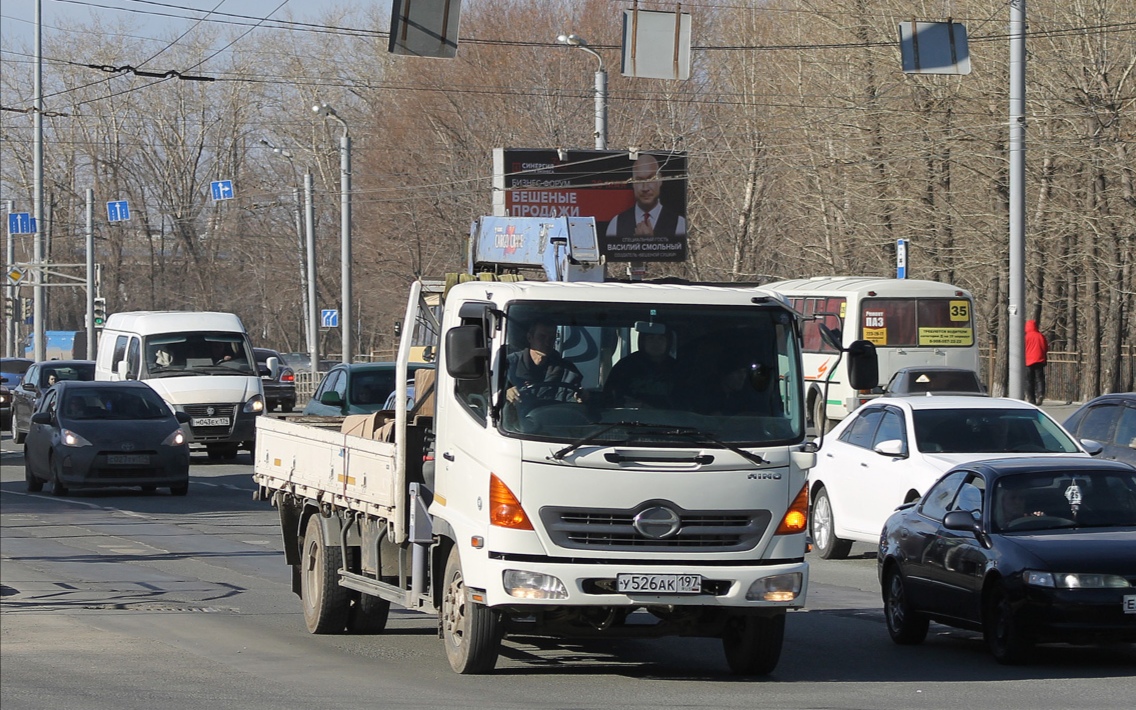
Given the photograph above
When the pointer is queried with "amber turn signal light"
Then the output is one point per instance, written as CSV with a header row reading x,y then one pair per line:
x,y
505,510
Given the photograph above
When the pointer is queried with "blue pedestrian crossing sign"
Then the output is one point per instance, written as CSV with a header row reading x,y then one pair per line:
x,y
222,189
21,223
118,211
329,318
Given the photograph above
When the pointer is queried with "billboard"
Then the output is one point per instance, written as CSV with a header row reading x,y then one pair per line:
x,y
637,199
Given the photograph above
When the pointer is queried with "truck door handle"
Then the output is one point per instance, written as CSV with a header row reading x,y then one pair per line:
x,y
447,456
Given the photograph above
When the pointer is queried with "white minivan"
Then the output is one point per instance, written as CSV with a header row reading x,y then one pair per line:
x,y
201,363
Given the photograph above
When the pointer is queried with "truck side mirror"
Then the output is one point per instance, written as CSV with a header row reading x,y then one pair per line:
x,y
863,365
465,353
122,368
273,364
830,337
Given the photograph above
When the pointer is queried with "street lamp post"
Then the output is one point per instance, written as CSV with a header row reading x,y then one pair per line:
x,y
579,42
307,276
322,109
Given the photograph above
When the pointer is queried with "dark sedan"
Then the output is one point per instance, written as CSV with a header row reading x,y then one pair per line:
x,y
279,388
1027,550
1110,420
106,434
38,379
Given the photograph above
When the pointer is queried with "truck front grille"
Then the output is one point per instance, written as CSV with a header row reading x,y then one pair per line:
x,y
615,530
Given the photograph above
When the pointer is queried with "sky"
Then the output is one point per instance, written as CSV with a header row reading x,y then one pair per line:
x,y
156,17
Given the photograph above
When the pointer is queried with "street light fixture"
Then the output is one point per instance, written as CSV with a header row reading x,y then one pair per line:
x,y
308,278
322,109
573,40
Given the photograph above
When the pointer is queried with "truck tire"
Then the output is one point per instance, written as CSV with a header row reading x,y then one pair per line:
x,y
753,643
368,615
822,525
470,631
325,602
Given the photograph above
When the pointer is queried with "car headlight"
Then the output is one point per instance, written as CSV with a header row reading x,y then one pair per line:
x,y
71,438
255,405
1074,580
176,438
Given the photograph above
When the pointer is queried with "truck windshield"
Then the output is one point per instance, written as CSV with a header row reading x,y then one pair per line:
x,y
570,370
198,353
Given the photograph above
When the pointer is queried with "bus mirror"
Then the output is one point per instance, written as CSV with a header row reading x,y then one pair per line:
x,y
830,337
465,353
863,365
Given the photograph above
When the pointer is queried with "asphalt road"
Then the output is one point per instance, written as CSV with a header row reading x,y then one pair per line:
x,y
123,600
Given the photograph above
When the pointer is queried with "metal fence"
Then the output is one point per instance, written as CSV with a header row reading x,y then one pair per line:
x,y
306,383
1062,373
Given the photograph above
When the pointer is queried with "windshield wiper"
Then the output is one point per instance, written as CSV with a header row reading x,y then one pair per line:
x,y
663,430
559,455
703,437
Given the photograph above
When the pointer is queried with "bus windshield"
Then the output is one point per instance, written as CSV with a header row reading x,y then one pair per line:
x,y
686,375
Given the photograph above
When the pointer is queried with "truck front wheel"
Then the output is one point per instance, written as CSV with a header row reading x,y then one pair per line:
x,y
470,631
753,643
326,604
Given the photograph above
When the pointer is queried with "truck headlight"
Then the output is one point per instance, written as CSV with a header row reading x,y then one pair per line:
x,y
533,585
255,404
778,588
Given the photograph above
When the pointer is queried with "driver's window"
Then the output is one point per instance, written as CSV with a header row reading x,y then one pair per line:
x,y
133,359
937,500
474,394
340,386
969,497
49,402
327,384
891,427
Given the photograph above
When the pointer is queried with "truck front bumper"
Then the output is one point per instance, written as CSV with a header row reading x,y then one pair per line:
x,y
513,582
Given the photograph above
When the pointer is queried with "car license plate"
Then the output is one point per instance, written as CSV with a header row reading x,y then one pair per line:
x,y
659,583
210,421
128,459
1130,603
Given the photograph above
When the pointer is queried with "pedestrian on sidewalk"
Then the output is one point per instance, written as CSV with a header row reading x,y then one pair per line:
x,y
1037,356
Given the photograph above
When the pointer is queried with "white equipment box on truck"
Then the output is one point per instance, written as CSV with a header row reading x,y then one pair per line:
x,y
612,459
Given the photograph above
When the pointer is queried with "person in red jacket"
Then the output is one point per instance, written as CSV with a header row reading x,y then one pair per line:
x,y
1037,354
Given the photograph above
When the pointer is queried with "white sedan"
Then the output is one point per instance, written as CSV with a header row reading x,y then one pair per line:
x,y
891,450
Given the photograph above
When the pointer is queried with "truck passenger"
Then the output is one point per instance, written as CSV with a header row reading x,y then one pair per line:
x,y
646,377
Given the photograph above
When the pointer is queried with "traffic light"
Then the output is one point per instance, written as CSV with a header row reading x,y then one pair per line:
x,y
100,312
28,311
8,312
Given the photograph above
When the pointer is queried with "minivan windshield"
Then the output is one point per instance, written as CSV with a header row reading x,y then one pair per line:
x,y
678,375
198,353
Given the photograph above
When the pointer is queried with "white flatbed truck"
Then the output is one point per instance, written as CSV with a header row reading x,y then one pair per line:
x,y
556,506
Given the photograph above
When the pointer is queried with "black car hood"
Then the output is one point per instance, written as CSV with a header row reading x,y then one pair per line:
x,y
1111,551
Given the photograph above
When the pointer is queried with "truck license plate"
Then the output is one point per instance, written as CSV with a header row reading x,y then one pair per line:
x,y
128,459
210,421
1130,603
659,583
